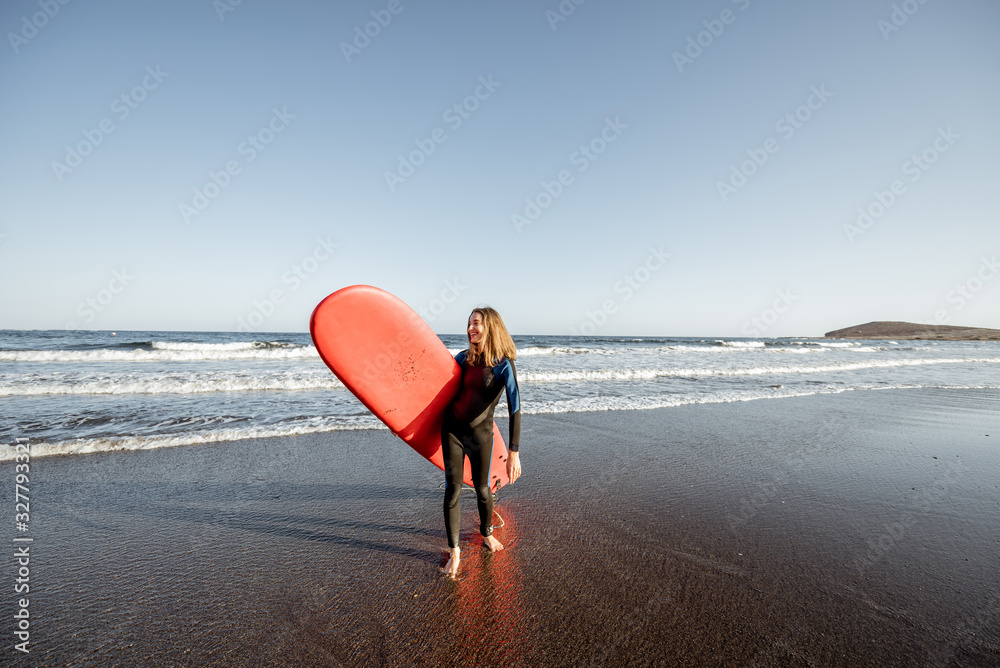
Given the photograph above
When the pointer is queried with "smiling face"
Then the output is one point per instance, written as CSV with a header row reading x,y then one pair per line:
x,y
476,330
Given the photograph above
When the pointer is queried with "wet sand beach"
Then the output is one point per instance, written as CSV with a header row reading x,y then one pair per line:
x,y
830,530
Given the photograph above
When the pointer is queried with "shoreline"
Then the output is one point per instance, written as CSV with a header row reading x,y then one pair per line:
x,y
851,529
98,446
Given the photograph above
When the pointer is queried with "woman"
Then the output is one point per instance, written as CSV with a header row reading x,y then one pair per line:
x,y
487,371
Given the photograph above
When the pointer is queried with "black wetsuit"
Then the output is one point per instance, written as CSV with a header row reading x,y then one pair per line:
x,y
468,430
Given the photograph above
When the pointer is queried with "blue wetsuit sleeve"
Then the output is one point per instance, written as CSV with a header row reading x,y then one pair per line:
x,y
461,357
505,370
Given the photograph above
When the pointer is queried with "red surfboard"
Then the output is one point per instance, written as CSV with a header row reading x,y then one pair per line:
x,y
385,353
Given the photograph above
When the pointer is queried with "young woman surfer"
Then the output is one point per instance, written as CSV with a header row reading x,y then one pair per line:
x,y
467,430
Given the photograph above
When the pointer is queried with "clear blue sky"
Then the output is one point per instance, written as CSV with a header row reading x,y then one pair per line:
x,y
331,121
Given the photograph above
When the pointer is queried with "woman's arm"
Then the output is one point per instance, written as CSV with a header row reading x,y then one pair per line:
x,y
509,375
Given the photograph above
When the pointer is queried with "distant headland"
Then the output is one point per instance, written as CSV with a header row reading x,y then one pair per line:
x,y
909,330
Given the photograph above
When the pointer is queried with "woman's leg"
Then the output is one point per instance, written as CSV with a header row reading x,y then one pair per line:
x,y
454,463
480,458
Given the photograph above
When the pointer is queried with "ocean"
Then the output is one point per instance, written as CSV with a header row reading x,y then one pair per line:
x,y
73,392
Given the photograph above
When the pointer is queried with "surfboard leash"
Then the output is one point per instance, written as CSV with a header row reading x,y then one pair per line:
x,y
496,497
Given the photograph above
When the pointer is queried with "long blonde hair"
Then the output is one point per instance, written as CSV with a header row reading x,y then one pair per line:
x,y
495,343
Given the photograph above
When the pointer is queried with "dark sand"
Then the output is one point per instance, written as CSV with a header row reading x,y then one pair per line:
x,y
839,530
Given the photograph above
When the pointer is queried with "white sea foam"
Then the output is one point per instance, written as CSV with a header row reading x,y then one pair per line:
x,y
85,446
541,350
827,344
166,353
165,384
741,344
715,346
724,348
234,345
589,404
626,374
741,350
62,383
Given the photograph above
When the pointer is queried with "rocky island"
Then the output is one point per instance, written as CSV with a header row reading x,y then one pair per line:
x,y
907,330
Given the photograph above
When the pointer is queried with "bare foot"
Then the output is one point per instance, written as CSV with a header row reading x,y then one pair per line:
x,y
451,568
492,544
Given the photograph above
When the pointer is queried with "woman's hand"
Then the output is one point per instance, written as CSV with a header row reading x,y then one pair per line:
x,y
513,466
